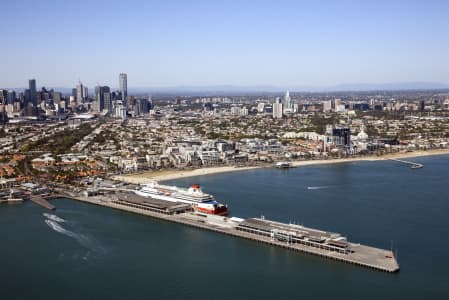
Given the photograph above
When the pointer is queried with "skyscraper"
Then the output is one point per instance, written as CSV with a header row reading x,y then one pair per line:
x,y
277,109
103,98
11,97
57,97
32,88
107,101
79,93
85,93
123,82
150,103
3,96
26,98
287,101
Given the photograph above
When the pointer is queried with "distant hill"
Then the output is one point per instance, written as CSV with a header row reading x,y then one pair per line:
x,y
235,89
268,89
390,86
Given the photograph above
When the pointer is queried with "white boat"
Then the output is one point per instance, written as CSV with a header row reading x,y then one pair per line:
x,y
283,165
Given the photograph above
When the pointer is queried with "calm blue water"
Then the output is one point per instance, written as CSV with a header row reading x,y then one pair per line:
x,y
102,253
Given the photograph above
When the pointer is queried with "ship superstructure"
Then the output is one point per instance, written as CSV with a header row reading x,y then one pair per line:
x,y
193,195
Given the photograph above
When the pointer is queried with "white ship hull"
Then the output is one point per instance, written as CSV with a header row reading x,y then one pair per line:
x,y
164,197
200,201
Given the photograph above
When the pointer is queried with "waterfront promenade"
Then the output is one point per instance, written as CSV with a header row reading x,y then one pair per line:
x,y
163,175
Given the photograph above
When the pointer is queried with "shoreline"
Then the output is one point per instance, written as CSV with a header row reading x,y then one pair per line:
x,y
146,177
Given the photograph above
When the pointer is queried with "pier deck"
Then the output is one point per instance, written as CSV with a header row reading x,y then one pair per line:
x,y
370,257
11,201
39,200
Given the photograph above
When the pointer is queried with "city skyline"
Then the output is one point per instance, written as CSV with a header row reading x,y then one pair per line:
x,y
288,44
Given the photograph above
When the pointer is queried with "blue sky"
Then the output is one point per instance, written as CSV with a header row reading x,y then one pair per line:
x,y
245,43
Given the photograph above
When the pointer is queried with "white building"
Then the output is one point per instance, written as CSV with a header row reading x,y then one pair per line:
x,y
287,101
120,111
235,110
327,106
243,111
277,109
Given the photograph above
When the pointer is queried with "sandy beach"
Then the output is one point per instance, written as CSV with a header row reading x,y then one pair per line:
x,y
145,177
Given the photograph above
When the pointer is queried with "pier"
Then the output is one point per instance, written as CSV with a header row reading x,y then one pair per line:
x,y
288,236
39,200
413,165
11,201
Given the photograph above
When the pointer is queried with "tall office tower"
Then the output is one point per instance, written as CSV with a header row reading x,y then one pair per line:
x,y
21,97
79,92
150,103
26,97
85,93
57,97
74,93
287,101
277,109
98,98
32,88
3,97
123,82
11,97
106,92
107,101
103,98
144,105
137,108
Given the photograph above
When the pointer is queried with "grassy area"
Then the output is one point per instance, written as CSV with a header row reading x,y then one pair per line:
x,y
60,142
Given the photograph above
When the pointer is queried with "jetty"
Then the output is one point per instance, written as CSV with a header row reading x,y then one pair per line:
x,y
39,200
288,236
413,165
11,201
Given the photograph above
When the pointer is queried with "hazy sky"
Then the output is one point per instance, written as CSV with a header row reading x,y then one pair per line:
x,y
172,43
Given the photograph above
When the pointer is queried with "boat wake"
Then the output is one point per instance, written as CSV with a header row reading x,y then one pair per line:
x,y
54,218
58,228
89,243
318,187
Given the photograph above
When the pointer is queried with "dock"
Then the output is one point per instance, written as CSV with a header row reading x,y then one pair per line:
x,y
11,201
413,165
39,200
288,236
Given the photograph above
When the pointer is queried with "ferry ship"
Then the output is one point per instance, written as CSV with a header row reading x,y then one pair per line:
x,y
200,201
